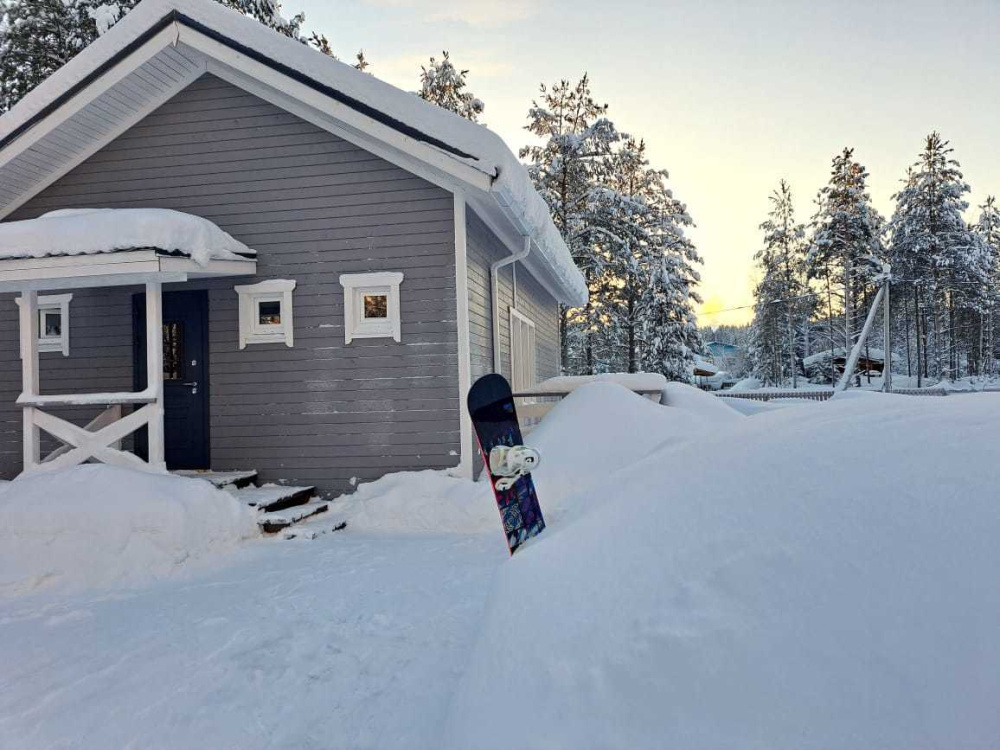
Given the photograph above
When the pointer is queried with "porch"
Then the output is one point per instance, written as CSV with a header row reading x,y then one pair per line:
x,y
36,257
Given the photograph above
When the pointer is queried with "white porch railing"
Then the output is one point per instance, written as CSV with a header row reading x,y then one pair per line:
x,y
101,439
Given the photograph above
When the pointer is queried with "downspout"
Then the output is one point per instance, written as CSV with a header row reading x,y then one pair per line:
x,y
495,295
502,198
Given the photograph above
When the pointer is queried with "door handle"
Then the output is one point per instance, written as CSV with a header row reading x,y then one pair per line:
x,y
193,385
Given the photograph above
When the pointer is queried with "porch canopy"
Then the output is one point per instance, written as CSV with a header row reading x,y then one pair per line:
x,y
86,248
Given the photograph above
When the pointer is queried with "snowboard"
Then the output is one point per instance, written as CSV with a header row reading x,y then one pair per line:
x,y
494,419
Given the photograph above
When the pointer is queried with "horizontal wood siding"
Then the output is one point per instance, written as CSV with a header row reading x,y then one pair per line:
x,y
532,300
314,206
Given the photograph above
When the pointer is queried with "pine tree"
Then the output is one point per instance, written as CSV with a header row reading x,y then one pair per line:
x,y
37,37
937,261
987,229
846,235
779,295
445,85
576,138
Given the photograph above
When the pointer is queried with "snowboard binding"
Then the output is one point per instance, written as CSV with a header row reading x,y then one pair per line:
x,y
509,464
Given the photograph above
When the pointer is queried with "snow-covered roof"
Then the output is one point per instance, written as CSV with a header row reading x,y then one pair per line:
x,y
872,354
91,231
445,136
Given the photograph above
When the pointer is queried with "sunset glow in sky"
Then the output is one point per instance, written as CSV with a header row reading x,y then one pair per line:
x,y
730,95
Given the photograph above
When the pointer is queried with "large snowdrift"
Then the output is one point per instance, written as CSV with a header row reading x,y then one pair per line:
x,y
92,231
823,576
94,526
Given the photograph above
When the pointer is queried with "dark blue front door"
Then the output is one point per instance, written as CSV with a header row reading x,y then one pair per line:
x,y
185,376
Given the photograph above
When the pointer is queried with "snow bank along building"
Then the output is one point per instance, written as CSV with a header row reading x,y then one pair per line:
x,y
318,263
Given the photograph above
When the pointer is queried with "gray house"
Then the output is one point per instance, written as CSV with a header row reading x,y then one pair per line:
x,y
318,263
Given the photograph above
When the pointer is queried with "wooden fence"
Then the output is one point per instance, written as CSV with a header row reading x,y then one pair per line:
x,y
821,395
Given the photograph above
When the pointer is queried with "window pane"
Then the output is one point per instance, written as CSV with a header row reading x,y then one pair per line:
x,y
173,351
269,313
376,306
51,324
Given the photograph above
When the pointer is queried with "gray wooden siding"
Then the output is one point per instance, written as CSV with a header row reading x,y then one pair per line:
x,y
532,300
313,206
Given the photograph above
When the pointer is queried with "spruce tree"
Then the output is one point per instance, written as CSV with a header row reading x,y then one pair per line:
x,y
846,234
987,229
779,295
937,261
445,85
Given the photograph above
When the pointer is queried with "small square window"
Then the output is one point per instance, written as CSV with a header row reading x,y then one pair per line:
x,y
269,313
53,322
50,324
266,312
376,306
371,305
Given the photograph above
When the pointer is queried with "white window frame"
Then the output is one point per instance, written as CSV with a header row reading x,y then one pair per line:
x,y
46,304
523,363
251,295
356,286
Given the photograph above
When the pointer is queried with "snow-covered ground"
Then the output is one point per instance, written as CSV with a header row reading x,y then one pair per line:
x,y
814,575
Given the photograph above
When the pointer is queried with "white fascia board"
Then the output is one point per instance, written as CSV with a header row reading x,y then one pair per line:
x,y
111,269
504,230
124,68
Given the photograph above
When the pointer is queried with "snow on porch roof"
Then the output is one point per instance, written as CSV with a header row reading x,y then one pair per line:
x,y
442,134
92,231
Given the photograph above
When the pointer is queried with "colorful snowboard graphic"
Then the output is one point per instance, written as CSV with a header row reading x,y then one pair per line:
x,y
491,407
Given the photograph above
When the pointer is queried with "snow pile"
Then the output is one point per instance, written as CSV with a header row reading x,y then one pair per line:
x,y
746,384
95,526
91,231
709,408
420,502
598,431
634,381
789,582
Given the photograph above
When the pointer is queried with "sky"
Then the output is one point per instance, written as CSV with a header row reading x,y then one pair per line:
x,y
730,95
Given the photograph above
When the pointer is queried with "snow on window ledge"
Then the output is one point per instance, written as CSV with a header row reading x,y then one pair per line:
x,y
53,323
266,312
371,305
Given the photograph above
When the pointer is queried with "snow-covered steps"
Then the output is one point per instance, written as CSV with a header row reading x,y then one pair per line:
x,y
273,497
221,478
271,523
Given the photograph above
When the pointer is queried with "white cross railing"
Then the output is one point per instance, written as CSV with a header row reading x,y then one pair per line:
x,y
101,439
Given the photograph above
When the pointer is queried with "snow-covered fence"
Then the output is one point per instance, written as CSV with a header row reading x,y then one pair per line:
x,y
769,395
821,395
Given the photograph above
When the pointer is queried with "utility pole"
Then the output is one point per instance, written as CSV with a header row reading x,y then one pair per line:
x,y
852,360
887,345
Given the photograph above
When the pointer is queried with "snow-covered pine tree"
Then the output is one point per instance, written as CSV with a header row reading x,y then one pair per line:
x,y
37,37
987,229
649,305
846,233
445,85
575,137
779,295
937,260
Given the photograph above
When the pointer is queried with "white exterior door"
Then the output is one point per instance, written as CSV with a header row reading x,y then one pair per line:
x,y
522,352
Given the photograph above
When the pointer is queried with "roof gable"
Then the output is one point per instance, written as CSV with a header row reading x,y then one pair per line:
x,y
161,46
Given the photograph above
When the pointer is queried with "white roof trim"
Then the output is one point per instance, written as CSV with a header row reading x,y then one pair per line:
x,y
111,269
461,151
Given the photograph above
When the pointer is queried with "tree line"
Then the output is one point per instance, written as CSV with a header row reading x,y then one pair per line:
x,y
818,281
